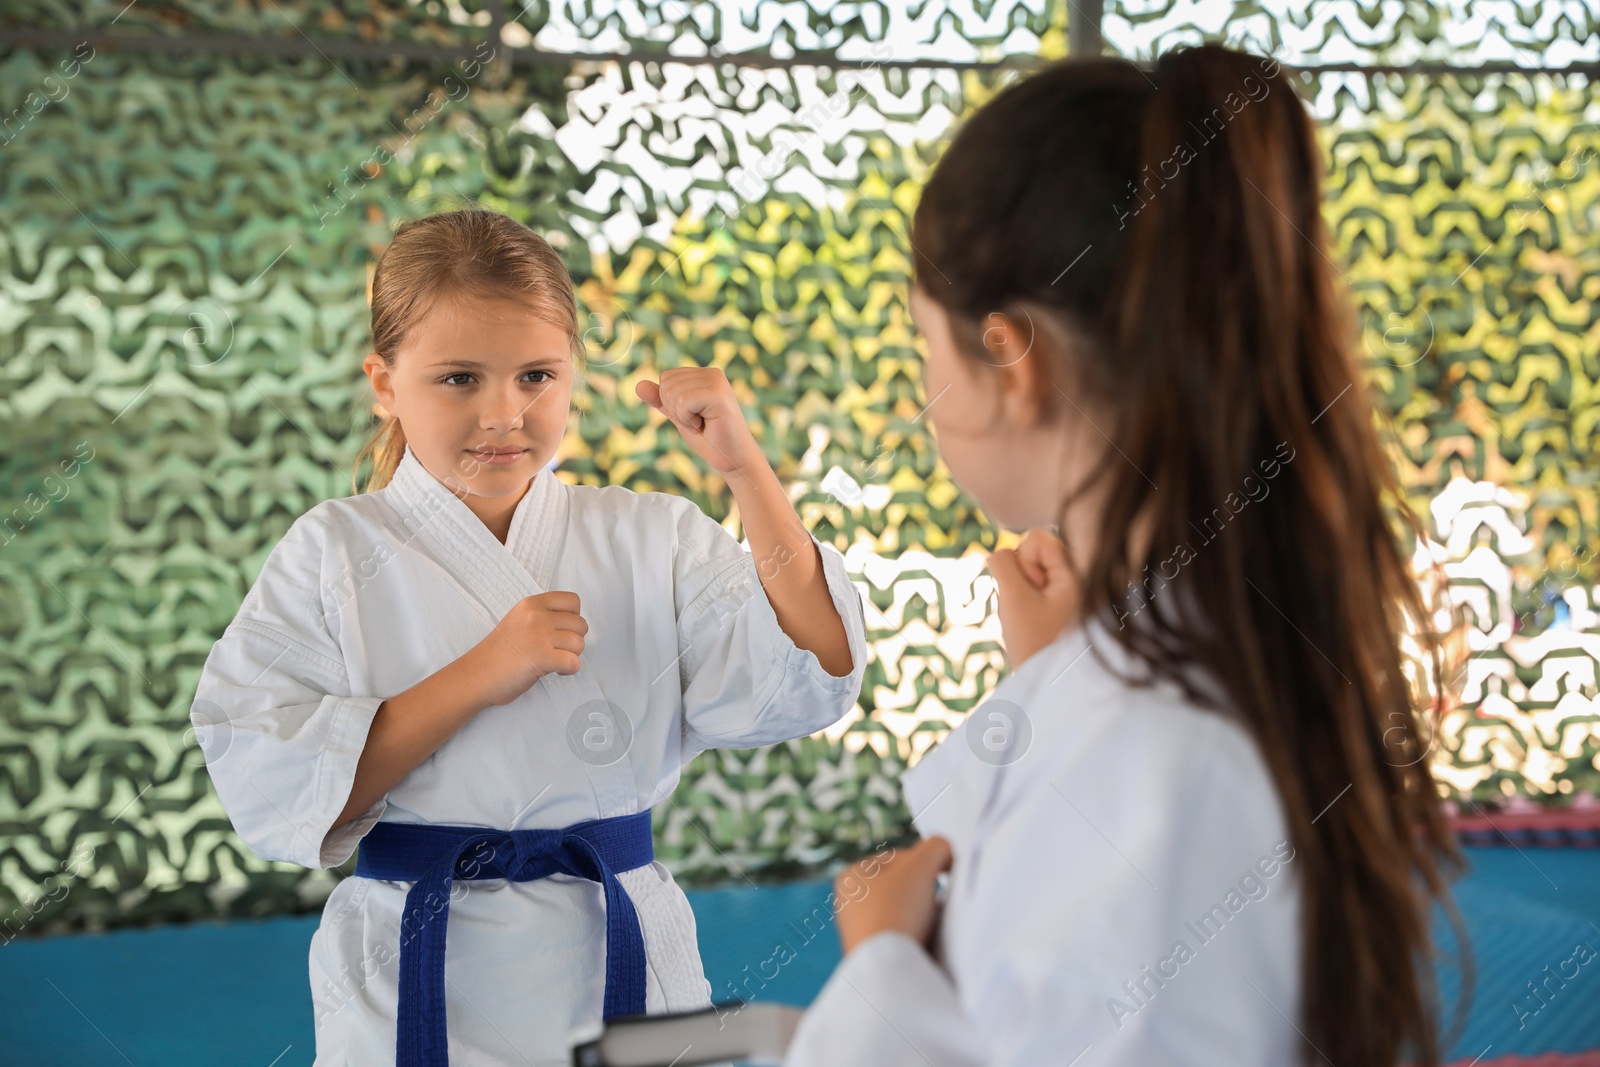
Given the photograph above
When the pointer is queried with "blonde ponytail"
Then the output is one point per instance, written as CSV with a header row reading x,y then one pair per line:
x,y
386,447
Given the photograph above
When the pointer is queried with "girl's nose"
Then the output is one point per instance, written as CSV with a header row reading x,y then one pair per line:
x,y
503,413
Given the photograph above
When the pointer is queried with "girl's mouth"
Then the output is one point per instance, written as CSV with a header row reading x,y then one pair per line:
x,y
498,457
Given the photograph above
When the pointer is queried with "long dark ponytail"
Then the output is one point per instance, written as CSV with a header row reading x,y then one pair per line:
x,y
1169,223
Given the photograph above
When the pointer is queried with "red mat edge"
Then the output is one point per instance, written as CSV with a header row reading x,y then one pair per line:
x,y
1543,1059
1544,820
1585,818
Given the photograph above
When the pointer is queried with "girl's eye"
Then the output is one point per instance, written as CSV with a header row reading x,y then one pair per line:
x,y
452,379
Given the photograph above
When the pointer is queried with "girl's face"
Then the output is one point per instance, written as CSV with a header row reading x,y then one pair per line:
x,y
1005,443
482,389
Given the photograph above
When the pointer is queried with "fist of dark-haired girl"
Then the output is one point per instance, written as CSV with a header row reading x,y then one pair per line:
x,y
1038,594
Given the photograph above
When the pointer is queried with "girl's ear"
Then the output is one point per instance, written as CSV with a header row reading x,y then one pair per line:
x,y
378,374
1007,339
1018,354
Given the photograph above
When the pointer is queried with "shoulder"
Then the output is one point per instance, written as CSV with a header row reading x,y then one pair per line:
x,y
333,523
619,498
627,513
603,500
1141,749
1204,761
321,542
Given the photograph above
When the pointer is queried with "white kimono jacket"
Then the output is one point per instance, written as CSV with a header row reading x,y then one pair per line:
x,y
1122,891
364,597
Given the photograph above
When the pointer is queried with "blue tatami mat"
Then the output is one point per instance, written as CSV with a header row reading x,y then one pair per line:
x,y
237,993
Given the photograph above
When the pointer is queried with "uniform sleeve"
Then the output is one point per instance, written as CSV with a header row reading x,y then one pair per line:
x,y
1083,900
745,682
887,1002
275,717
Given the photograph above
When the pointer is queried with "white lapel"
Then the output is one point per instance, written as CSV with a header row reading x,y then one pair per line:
x,y
949,789
498,575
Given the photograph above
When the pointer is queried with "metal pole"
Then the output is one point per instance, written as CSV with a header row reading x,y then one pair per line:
x,y
1083,27
330,48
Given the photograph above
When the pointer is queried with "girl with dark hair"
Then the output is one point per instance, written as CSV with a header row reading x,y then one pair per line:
x,y
1196,823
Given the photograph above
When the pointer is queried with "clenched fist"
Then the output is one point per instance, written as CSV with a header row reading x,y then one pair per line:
x,y
1038,595
538,635
700,402
896,892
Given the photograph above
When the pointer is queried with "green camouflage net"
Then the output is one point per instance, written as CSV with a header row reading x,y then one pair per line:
x,y
186,241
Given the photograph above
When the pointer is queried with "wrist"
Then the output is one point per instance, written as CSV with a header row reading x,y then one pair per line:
x,y
753,474
471,672
883,938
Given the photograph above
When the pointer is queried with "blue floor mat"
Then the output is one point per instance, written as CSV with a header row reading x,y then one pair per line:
x,y
237,993
1527,911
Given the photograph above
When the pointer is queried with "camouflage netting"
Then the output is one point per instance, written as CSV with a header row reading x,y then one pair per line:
x,y
186,238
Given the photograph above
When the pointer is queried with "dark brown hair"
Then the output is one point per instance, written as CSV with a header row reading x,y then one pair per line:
x,y
451,254
1169,226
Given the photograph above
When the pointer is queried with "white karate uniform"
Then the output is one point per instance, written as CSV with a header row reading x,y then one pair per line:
x,y
1095,826
368,595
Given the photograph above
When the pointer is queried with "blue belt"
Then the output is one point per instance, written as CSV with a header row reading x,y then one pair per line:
x,y
432,855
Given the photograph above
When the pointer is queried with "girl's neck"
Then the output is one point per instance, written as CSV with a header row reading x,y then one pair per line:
x,y
495,512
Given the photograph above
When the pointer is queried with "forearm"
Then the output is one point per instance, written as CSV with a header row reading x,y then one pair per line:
x,y
790,568
409,727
